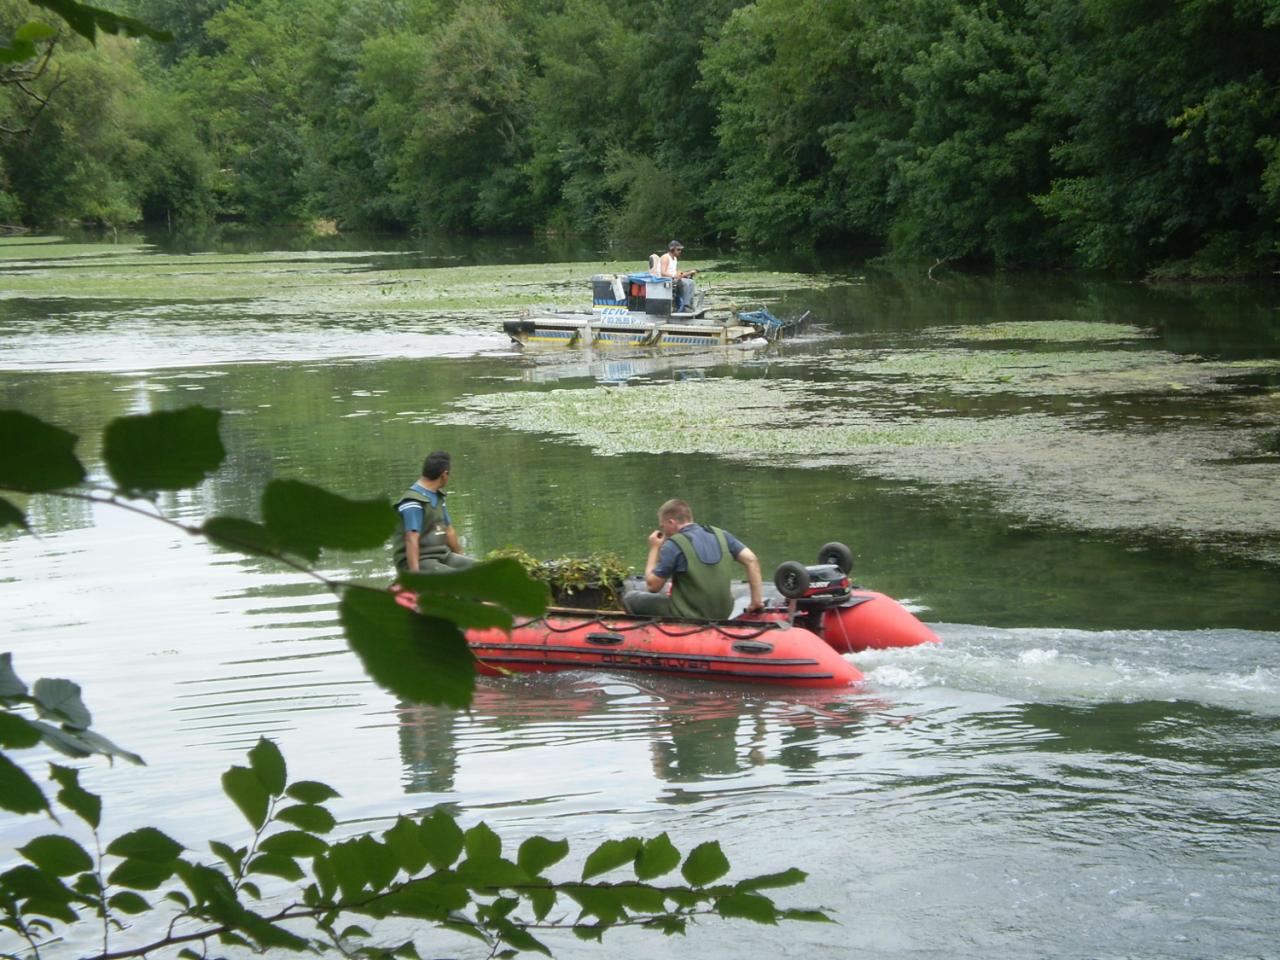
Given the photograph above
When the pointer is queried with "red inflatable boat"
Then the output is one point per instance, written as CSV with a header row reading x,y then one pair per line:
x,y
796,641
752,651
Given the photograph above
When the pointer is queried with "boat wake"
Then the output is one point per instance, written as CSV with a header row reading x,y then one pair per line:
x,y
1229,669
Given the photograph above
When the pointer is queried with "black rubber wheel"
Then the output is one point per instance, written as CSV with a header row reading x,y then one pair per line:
x,y
838,555
791,579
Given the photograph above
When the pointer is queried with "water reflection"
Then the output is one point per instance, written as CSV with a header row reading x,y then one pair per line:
x,y
695,733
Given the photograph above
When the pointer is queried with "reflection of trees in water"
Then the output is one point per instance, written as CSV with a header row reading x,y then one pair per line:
x,y
695,733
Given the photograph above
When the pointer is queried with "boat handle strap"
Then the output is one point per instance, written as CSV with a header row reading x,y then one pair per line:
x,y
604,638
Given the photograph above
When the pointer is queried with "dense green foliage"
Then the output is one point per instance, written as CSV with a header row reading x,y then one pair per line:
x,y
291,886
1119,134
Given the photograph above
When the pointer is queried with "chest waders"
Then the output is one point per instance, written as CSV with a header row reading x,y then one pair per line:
x,y
704,591
433,539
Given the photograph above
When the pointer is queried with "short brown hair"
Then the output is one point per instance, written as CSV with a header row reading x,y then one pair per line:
x,y
675,510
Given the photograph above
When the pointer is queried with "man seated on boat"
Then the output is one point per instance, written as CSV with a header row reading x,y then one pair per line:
x,y
695,558
682,285
429,543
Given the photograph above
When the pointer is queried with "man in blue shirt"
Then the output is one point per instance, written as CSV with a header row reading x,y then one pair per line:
x,y
429,543
696,559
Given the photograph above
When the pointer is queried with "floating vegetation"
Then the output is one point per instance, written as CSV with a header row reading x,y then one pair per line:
x,y
1048,331
1180,481
332,282
1030,372
734,418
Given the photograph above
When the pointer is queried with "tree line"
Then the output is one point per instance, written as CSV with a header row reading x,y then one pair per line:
x,y
1123,135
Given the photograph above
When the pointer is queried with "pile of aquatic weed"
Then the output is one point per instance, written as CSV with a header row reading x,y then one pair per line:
x,y
1178,481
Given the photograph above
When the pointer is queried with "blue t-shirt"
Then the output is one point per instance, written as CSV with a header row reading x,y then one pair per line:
x,y
412,514
671,558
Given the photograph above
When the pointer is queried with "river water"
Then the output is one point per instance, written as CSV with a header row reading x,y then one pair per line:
x,y
1072,480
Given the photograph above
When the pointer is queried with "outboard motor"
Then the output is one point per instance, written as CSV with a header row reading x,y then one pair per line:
x,y
812,587
820,586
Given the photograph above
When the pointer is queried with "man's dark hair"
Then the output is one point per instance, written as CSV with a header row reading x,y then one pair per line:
x,y
437,462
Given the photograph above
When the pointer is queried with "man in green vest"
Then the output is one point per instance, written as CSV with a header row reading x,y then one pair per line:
x,y
429,543
695,558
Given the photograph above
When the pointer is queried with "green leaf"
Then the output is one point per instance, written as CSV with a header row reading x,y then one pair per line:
x,y
35,32
705,864
671,926
787,878
308,816
247,792
147,843
87,806
427,899
311,791
17,732
492,874
442,838
243,536
610,855
11,685
294,843
60,699
466,614
169,450
82,743
231,856
538,853
519,938
18,792
268,765
17,51
44,894
129,902
481,843
57,855
806,916
141,874
37,456
11,516
657,857
304,518
542,899
747,906
600,901
380,865
641,898
86,21
404,842
267,934
276,865
591,932
348,868
503,581
417,658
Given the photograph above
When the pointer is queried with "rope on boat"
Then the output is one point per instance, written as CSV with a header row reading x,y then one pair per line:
x,y
744,634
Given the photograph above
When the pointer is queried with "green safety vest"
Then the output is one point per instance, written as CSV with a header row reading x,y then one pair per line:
x,y
433,540
704,591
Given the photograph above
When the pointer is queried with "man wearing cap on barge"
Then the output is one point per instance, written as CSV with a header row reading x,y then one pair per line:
x,y
681,280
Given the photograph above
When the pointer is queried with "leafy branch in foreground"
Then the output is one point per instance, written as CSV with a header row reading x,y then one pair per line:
x,y
290,887
420,658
